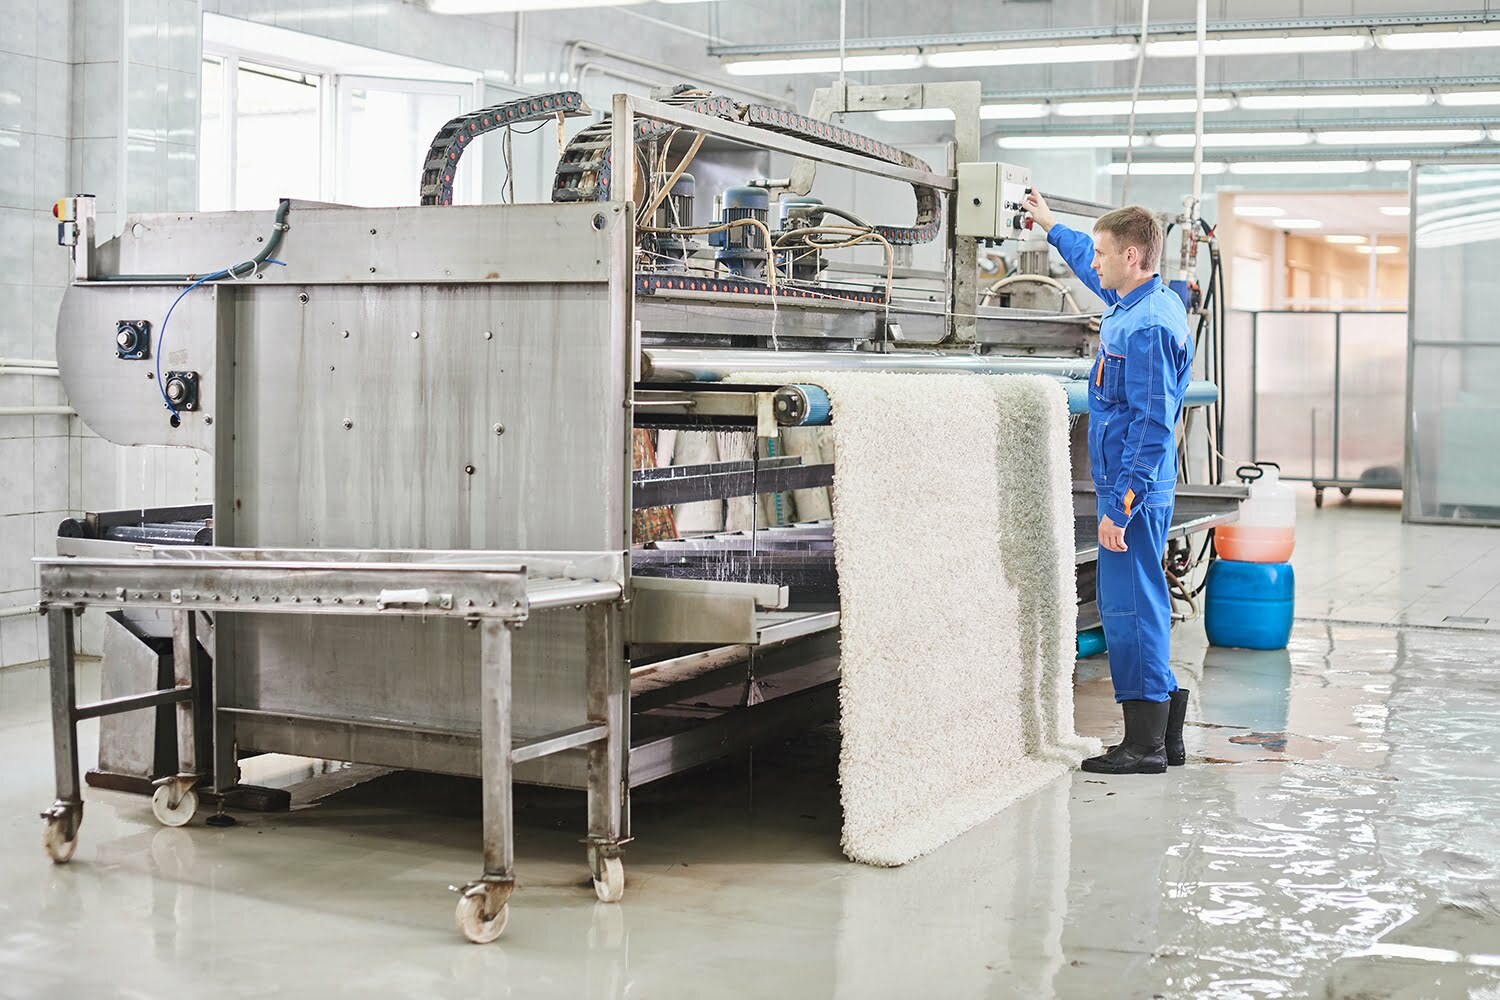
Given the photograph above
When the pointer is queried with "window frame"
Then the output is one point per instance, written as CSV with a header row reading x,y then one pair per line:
x,y
333,119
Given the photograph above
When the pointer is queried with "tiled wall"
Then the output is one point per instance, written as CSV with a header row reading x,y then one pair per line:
x,y
39,456
98,96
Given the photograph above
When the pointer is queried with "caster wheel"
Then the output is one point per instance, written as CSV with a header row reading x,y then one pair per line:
x,y
1318,499
609,884
473,918
58,849
1346,490
169,815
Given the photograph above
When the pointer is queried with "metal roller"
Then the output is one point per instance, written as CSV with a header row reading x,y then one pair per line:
x,y
684,364
161,534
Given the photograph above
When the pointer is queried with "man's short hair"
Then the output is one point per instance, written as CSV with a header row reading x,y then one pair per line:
x,y
1134,226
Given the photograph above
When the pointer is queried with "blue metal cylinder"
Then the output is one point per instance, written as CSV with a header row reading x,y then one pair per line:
x,y
802,406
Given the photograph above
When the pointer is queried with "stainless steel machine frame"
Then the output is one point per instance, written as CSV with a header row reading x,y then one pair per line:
x,y
426,392
490,592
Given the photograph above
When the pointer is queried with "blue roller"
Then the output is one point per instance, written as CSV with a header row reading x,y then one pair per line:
x,y
1199,393
802,406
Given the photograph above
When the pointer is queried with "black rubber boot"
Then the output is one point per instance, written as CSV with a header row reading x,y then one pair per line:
x,y
1176,752
1143,750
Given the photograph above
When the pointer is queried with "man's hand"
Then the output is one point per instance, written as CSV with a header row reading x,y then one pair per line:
x,y
1111,535
1040,213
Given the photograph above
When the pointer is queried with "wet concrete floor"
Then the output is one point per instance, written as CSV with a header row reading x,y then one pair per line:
x,y
1336,834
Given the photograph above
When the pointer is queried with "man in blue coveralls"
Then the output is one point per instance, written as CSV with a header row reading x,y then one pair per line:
x,y
1135,400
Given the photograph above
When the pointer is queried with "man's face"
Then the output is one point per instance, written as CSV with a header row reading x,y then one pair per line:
x,y
1114,264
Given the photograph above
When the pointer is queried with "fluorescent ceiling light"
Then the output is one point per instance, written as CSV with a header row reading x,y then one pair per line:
x,y
1247,140
1469,98
823,64
1393,166
1160,169
1347,240
1475,39
510,6
1382,250
687,1
1258,211
1297,223
1300,167
916,115
1014,111
1395,209
1032,55
1292,102
1067,141
1259,46
1164,106
1401,137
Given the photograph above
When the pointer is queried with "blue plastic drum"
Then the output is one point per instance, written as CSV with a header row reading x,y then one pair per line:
x,y
1249,605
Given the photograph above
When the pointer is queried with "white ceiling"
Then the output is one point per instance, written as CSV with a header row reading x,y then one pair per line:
x,y
1353,213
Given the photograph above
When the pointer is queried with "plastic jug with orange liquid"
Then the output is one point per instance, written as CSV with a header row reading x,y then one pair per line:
x,y
1266,530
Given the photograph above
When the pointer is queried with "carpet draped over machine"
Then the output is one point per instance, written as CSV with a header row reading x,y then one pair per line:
x,y
953,536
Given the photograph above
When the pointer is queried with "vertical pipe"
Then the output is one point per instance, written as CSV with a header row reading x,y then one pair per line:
x,y
843,22
1254,382
495,746
1135,93
1201,69
1338,355
64,701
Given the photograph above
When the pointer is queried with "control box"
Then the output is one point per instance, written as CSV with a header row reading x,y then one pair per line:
x,y
992,200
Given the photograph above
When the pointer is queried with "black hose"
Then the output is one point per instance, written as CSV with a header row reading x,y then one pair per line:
x,y
846,216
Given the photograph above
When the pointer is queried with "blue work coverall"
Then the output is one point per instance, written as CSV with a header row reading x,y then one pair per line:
x,y
1135,399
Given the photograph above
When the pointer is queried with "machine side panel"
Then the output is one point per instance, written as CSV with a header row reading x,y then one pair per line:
x,y
490,416
334,243
120,399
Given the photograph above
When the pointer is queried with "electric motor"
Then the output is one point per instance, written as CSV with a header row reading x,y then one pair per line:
x,y
742,249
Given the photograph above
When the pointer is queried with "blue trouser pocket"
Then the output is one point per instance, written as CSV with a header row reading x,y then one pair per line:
x,y
1135,608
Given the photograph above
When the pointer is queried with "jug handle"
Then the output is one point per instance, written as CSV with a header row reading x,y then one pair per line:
x,y
1250,473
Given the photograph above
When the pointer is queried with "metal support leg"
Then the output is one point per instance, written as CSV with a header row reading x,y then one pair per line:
x,y
176,798
60,838
494,749
185,675
484,908
608,678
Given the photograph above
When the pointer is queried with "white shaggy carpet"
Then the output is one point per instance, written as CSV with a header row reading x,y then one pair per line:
x,y
954,542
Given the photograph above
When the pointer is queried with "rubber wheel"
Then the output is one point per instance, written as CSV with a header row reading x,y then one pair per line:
x,y
1318,498
609,884
1346,490
166,814
472,921
58,849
